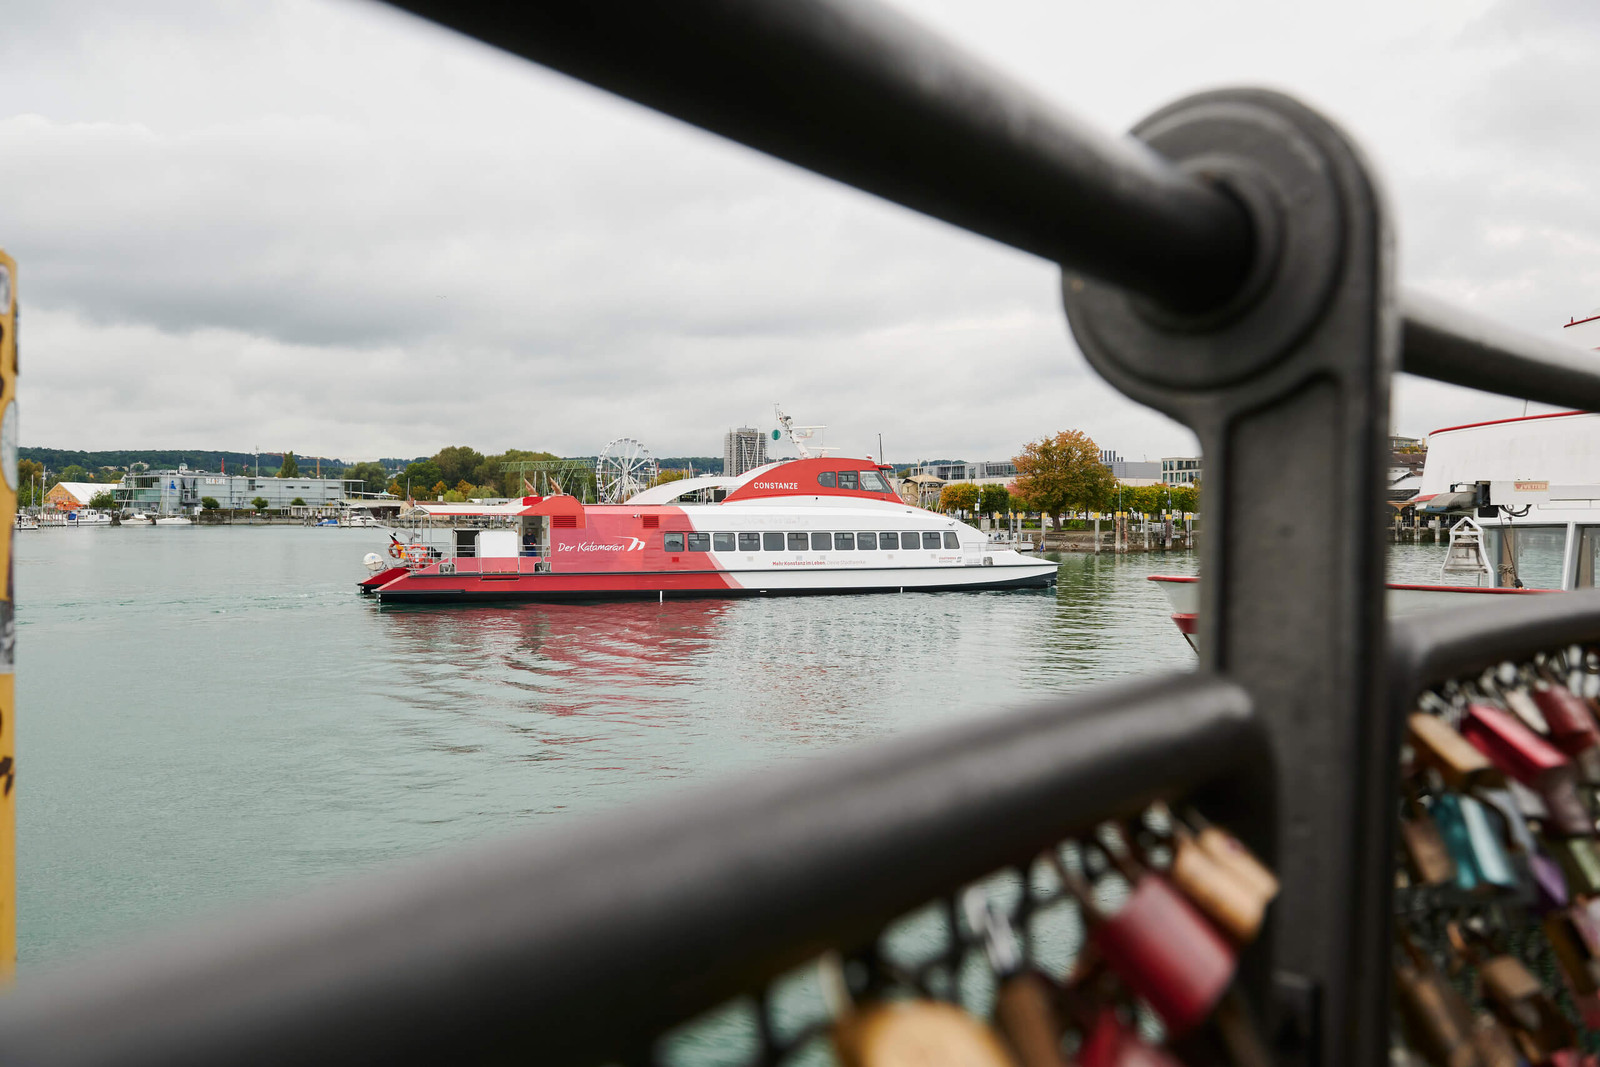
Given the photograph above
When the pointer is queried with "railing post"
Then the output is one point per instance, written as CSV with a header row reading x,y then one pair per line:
x,y
1288,389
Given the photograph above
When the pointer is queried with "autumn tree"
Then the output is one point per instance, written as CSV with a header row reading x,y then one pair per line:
x,y
958,496
1185,498
1064,473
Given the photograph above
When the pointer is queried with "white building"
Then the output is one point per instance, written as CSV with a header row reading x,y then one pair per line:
x,y
1180,470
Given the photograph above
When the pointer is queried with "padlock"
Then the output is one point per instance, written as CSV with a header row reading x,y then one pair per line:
x,y
1488,845
1521,704
1572,725
1436,744
1426,852
1163,949
1216,887
1446,812
1549,884
1494,1044
1579,858
1234,855
1024,1007
906,1033
1510,745
1532,761
1577,965
1108,1041
1435,1016
1513,989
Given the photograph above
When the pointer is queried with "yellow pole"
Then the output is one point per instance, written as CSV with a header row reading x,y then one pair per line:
x,y
8,625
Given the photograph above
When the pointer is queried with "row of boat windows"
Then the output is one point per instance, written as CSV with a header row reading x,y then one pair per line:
x,y
871,481
869,541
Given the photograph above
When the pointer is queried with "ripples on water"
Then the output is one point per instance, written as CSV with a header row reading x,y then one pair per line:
x,y
208,714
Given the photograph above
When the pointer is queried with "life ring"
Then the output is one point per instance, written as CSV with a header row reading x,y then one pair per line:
x,y
417,553
397,550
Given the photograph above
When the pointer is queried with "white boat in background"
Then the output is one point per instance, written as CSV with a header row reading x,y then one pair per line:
x,y
174,520
1523,498
26,522
138,518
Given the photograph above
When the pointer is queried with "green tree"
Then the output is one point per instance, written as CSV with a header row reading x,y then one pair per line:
x,y
371,475
457,463
298,502
209,503
420,475
994,500
260,503
1064,473
509,482
1185,498
29,473
663,477
958,496
290,468
74,473
103,500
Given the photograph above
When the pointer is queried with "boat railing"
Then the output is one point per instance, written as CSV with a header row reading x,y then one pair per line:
x,y
1230,264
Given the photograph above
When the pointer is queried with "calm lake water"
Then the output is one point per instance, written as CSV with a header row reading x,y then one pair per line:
x,y
211,715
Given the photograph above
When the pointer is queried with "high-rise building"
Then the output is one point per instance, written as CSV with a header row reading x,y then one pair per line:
x,y
742,450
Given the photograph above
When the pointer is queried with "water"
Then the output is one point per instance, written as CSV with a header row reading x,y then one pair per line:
x,y
212,715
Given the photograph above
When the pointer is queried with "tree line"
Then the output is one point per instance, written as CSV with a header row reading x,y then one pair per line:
x,y
1063,474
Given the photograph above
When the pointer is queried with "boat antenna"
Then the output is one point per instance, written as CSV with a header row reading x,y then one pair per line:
x,y
800,435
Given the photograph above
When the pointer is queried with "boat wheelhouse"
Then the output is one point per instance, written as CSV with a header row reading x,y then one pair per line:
x,y
806,526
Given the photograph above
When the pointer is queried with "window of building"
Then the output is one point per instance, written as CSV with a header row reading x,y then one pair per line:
x,y
867,542
844,542
826,480
751,542
798,542
849,480
873,482
889,541
910,539
699,542
821,542
672,542
722,542
930,540
951,540
772,542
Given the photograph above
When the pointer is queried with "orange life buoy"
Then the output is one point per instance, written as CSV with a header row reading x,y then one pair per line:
x,y
417,553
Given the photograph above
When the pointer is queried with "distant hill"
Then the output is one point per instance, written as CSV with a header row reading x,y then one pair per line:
x,y
59,459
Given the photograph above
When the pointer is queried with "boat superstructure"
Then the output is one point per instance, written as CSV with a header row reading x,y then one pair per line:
x,y
812,525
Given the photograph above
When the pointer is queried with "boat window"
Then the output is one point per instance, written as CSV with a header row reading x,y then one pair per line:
x,y
772,542
722,542
889,541
930,539
873,482
844,542
848,480
1526,557
821,542
798,542
867,542
699,542
951,540
672,542
910,539
751,542
826,479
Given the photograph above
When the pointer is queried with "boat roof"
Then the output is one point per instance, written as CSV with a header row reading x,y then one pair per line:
x,y
667,492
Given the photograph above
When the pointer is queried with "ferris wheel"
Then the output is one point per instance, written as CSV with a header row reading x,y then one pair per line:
x,y
624,468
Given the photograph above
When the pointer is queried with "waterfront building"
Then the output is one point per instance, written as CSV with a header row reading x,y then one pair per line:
x,y
70,496
168,492
986,472
743,450
1180,470
1131,471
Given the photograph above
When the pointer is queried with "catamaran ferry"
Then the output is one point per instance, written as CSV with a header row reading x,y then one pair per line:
x,y
805,526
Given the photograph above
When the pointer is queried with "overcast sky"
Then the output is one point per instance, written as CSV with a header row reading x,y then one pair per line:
x,y
327,226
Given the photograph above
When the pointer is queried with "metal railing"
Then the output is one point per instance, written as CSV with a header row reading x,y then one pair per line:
x,y
1229,264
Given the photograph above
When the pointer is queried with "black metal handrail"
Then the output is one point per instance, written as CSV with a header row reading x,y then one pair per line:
x,y
581,947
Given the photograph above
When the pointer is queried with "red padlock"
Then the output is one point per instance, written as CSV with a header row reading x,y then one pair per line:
x,y
1510,745
1572,724
1162,948
1109,1042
